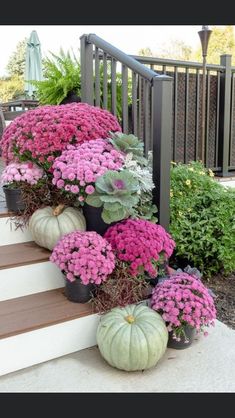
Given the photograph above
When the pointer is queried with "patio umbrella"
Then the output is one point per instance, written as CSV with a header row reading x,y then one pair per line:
x,y
33,64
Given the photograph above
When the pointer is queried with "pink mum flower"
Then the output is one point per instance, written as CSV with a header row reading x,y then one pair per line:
x,y
197,309
77,253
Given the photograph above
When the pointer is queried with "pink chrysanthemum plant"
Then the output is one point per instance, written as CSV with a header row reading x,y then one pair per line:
x,y
141,244
76,169
41,134
183,300
84,255
15,174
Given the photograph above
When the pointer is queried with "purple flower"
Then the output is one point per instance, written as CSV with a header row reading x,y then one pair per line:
x,y
89,189
182,300
119,184
77,254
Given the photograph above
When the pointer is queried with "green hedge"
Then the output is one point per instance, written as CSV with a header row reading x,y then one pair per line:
x,y
202,219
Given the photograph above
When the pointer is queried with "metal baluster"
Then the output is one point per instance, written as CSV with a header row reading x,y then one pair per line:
x,y
134,103
97,77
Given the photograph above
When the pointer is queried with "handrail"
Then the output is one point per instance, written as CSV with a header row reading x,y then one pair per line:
x,y
176,63
124,59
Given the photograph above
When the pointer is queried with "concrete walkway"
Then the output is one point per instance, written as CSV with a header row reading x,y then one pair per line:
x,y
207,366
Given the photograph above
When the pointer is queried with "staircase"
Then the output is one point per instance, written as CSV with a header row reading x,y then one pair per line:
x,y
37,322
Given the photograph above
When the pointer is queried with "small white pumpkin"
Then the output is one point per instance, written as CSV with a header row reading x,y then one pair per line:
x,y
49,224
132,338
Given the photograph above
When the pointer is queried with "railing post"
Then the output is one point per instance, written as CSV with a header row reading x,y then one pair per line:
x,y
161,136
87,80
224,119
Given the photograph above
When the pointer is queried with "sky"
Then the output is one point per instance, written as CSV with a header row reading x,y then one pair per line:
x,y
129,38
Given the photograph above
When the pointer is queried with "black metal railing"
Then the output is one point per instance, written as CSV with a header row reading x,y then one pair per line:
x,y
187,111
140,98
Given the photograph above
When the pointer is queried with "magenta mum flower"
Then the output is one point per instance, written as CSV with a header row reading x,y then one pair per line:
x,y
140,243
44,132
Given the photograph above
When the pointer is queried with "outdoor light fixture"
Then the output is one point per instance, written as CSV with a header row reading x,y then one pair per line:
x,y
204,35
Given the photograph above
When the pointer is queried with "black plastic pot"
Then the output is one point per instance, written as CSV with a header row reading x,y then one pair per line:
x,y
94,221
154,281
190,333
13,199
78,292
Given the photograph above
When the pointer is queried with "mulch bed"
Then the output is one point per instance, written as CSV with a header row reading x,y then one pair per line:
x,y
224,290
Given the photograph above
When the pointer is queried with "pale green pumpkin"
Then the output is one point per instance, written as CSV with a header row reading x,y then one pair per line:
x,y
49,224
132,338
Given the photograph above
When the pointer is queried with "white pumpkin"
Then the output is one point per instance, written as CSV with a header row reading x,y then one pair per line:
x,y
49,224
132,338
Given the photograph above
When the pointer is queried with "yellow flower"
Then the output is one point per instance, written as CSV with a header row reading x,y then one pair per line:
x,y
171,193
188,182
210,172
180,193
173,163
180,213
191,169
202,173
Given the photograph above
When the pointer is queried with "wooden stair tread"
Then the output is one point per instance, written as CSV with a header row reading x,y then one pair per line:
x,y
39,310
24,253
4,213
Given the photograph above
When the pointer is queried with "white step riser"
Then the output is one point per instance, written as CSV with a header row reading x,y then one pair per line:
x,y
28,349
8,234
29,279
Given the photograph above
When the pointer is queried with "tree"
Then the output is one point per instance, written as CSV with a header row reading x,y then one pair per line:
x,y
221,42
11,88
16,63
176,49
145,52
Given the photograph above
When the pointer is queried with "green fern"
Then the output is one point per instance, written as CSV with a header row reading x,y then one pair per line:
x,y
62,74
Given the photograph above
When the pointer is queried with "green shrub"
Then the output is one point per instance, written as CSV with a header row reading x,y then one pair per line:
x,y
11,88
202,219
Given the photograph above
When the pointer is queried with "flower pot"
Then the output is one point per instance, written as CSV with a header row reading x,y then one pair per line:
x,y
190,333
154,281
77,291
13,199
94,221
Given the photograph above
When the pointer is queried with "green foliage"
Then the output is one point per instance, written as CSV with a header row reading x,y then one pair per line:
x,y
129,192
117,192
202,219
221,42
129,144
118,79
16,63
62,74
145,52
11,88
